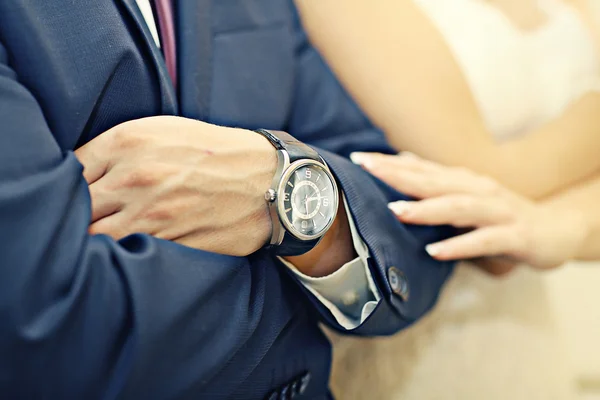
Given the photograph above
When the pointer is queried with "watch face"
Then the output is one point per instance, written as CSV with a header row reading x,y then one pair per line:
x,y
308,200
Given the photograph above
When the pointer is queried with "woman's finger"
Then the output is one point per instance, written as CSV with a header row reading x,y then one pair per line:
x,y
397,171
402,161
459,210
411,183
426,180
424,184
413,162
482,242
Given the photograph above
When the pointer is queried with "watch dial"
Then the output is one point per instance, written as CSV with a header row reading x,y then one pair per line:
x,y
309,200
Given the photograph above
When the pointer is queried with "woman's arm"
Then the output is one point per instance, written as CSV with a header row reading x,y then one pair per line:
x,y
398,67
583,199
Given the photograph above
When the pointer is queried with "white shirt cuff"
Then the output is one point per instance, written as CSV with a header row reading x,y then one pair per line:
x,y
349,293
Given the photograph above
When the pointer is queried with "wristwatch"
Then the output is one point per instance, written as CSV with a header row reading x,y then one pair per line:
x,y
303,197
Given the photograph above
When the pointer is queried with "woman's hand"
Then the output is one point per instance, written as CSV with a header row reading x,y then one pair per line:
x,y
502,228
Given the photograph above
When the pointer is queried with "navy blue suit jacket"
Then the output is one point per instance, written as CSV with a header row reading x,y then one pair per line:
x,y
85,317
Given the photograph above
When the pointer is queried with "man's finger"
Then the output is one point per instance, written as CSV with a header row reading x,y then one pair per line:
x,y
95,157
105,202
459,210
112,226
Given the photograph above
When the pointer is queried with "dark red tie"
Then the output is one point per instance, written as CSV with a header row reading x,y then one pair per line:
x,y
166,22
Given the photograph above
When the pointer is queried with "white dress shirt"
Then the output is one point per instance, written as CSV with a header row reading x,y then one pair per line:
x,y
349,293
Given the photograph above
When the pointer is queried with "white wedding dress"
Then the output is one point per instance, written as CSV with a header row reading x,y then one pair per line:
x,y
487,338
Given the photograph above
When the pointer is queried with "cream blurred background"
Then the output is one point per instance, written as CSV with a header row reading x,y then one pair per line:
x,y
528,336
574,294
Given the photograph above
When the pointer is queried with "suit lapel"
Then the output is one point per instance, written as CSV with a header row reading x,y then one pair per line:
x,y
194,36
168,96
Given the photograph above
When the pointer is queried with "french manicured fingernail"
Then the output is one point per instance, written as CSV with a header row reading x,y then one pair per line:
x,y
362,159
433,249
399,207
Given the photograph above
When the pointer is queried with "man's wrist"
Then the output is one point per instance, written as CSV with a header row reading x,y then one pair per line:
x,y
262,183
334,250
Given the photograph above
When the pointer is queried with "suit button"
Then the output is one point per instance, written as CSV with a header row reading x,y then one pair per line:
x,y
398,283
304,381
286,393
273,396
296,388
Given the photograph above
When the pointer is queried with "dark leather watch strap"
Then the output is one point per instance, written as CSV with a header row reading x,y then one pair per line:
x,y
290,245
284,141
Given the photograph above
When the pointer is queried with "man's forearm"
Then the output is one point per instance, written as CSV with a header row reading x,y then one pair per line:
x,y
582,201
333,251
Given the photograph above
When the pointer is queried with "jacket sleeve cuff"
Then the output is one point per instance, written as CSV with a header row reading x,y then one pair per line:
x,y
350,293
407,278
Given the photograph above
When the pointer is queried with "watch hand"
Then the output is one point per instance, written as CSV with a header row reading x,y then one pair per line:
x,y
312,199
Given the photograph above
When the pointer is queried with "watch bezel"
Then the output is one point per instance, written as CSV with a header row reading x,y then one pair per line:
x,y
285,177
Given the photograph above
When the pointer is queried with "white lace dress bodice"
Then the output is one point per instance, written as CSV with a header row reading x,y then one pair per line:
x,y
518,79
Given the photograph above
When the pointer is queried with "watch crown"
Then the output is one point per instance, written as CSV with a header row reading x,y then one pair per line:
x,y
270,195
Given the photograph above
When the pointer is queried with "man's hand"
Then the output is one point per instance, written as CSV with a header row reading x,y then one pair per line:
x,y
333,251
196,184
183,180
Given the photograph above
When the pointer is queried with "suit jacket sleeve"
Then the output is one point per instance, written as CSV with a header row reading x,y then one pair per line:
x,y
85,317
325,116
